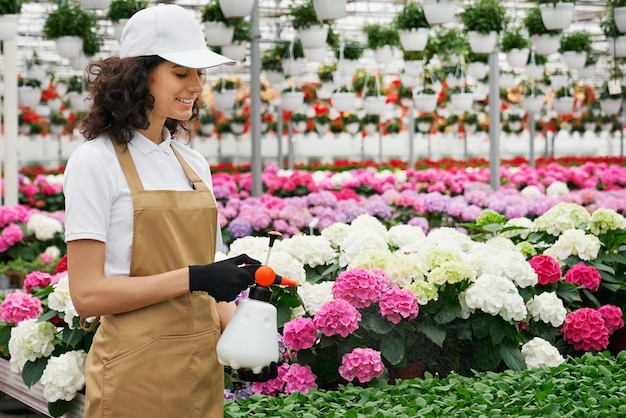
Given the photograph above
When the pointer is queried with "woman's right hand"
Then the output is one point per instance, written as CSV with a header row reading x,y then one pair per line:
x,y
225,279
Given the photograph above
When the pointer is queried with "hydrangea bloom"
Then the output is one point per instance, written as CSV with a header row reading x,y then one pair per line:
x,y
19,306
583,275
503,260
451,272
496,295
364,364
547,269
562,217
547,307
538,352
44,227
30,340
315,295
60,301
299,333
604,220
404,268
64,376
371,258
524,224
310,250
612,316
575,242
357,240
396,304
404,235
299,378
584,328
360,287
424,291
337,317
273,386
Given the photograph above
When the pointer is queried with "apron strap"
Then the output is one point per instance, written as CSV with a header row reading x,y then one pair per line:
x,y
126,161
194,179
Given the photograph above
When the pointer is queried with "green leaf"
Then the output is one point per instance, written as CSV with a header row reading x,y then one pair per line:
x,y
392,348
33,370
448,313
512,356
376,324
568,292
58,408
433,333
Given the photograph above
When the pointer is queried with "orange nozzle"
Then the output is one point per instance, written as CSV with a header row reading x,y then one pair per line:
x,y
265,276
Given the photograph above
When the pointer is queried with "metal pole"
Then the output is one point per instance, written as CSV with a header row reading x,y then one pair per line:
x,y
255,101
279,136
10,123
494,122
290,145
380,143
531,144
411,137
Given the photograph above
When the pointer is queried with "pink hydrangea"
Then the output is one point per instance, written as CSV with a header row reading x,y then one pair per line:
x,y
583,275
299,378
19,306
300,333
360,287
397,303
547,269
337,317
12,234
36,279
612,315
273,386
584,328
364,364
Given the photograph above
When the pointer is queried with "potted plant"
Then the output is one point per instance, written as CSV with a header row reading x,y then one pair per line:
x,y
241,36
9,11
611,97
574,47
533,97
370,123
224,93
546,41
412,27
424,122
292,98
348,54
483,21
426,99
299,121
309,29
218,29
57,122
77,94
120,11
271,65
470,122
516,45
619,13
322,123
614,37
74,30
207,121
28,92
439,12
351,122
393,126
449,44
556,14
563,101
381,39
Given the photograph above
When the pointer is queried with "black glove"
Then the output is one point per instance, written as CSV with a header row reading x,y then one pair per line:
x,y
267,373
224,280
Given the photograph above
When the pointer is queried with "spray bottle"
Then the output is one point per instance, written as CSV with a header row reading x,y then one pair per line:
x,y
250,339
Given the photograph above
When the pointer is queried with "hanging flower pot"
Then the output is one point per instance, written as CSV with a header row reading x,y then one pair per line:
x,y
462,102
69,46
224,100
574,60
617,46
207,129
370,128
564,105
534,71
235,51
291,100
383,54
477,70
533,104
236,8
352,128
322,128
439,11
507,80
611,106
293,67
8,27
95,4
276,78
237,128
425,102
619,15
374,105
343,101
482,43
518,57
315,54
330,9
313,36
413,40
546,44
79,101
218,34
558,81
28,96
557,16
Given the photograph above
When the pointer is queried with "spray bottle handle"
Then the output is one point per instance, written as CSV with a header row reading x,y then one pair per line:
x,y
266,276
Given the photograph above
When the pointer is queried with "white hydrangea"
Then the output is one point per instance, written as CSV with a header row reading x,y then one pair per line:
x,y
29,341
44,227
370,222
338,179
336,233
574,242
435,256
64,376
357,240
557,188
60,300
496,295
522,222
315,295
539,352
449,237
249,245
53,251
547,307
503,262
404,268
531,191
371,258
423,291
310,250
404,235
466,311
451,272
604,220
561,217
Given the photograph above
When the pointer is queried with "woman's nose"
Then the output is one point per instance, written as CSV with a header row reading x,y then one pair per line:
x,y
196,83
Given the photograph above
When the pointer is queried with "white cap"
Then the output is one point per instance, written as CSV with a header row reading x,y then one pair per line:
x,y
171,32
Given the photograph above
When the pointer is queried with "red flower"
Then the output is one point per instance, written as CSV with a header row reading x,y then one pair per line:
x,y
62,265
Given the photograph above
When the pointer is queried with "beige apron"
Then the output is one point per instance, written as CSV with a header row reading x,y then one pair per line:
x,y
160,361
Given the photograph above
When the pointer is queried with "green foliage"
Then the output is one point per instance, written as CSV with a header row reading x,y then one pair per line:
x,y
304,16
533,23
554,2
325,72
57,118
124,9
299,117
69,19
411,17
352,50
608,26
371,119
615,3
242,30
514,39
11,7
446,41
381,35
484,16
579,41
212,12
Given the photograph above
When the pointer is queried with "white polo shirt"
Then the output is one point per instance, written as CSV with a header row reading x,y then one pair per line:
x,y
98,205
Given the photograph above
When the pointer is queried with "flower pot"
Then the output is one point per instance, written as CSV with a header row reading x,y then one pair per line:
x,y
236,51
343,101
533,104
292,100
425,102
588,72
218,34
322,128
546,44
482,43
28,96
352,128
564,105
78,101
507,80
225,100
69,46
590,126
8,27
236,8
534,71
439,11
423,127
619,15
617,46
313,36
276,78
293,67
237,128
470,128
462,102
414,39
574,60
383,55
371,128
558,16
611,106
330,9
517,58
299,126
374,105
315,54
57,130
557,81
515,126
207,129
118,28
477,70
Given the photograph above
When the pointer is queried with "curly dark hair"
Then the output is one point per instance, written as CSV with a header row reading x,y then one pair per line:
x,y
121,99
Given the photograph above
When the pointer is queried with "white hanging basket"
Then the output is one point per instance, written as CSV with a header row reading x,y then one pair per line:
x,y
507,80
534,71
477,70
617,46
517,58
225,100
236,51
546,44
439,11
619,16
574,60
482,43
557,81
95,4
118,28
343,101
533,104
413,40
383,55
79,101
462,102
28,96
325,90
207,129
352,128
69,46
322,128
423,127
330,9
291,100
557,16
425,102
218,34
293,67
374,105
236,8
314,36
347,67
8,27
276,78
413,68
237,128
564,105
370,128
610,106
315,54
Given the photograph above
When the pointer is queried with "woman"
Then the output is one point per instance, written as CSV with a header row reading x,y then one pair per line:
x,y
141,230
